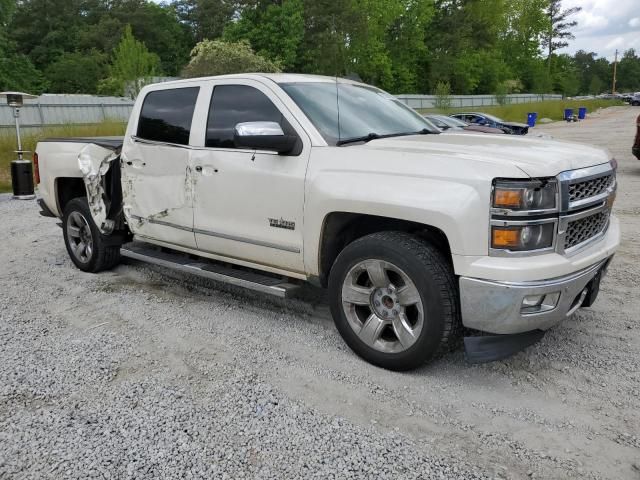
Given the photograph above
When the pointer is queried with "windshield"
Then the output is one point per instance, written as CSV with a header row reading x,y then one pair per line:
x,y
493,118
363,111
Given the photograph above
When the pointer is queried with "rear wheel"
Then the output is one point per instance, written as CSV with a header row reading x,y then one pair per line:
x,y
90,250
394,300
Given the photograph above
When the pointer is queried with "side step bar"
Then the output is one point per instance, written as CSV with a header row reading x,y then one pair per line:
x,y
202,267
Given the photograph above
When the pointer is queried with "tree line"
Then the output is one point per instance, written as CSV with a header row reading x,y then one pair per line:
x,y
403,46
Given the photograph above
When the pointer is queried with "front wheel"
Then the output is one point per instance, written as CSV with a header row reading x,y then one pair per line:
x,y
90,250
394,300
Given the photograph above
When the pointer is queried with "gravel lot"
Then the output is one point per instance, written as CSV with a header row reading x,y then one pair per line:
x,y
142,373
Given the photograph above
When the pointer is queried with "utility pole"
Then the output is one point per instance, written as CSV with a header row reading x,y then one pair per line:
x,y
615,65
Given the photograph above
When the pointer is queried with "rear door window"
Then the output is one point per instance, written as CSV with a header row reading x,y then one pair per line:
x,y
166,115
233,104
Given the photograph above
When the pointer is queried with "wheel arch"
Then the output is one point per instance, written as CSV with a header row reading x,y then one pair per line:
x,y
339,229
66,189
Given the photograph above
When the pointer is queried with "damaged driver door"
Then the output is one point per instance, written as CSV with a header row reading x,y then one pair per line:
x,y
156,168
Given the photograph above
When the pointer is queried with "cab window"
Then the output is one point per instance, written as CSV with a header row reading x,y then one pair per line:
x,y
233,104
166,115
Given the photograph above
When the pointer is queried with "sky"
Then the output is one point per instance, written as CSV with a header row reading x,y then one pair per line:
x,y
604,25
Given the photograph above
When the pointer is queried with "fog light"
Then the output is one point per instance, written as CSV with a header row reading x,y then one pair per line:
x,y
532,300
539,303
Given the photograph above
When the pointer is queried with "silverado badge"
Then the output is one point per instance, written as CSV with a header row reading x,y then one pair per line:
x,y
282,223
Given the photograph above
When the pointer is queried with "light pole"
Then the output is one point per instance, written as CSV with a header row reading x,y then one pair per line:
x,y
21,169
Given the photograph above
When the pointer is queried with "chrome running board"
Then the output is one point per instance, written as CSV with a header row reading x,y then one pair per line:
x,y
251,280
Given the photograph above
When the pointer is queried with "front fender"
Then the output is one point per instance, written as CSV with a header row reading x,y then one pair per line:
x,y
459,210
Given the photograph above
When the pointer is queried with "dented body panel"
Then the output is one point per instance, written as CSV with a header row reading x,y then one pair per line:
x,y
157,192
59,159
94,161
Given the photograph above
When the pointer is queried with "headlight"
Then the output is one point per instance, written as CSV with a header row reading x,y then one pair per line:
x,y
525,195
520,238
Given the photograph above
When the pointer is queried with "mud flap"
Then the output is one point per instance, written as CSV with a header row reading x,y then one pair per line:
x,y
94,162
489,348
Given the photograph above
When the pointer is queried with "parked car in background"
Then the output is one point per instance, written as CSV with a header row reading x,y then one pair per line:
x,y
635,100
611,96
486,120
636,143
446,123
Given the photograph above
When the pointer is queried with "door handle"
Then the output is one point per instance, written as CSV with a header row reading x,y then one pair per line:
x,y
136,163
206,170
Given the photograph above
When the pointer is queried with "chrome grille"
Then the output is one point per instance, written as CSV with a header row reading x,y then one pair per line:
x,y
579,231
589,188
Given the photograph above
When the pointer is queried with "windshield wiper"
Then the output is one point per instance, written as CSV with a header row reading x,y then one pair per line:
x,y
365,138
374,136
424,131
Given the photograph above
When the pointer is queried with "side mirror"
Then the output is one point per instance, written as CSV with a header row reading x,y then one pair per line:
x,y
263,136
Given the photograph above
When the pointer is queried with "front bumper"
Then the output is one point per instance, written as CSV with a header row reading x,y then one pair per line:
x,y
497,307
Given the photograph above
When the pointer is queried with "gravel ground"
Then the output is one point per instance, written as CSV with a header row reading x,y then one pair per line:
x,y
143,373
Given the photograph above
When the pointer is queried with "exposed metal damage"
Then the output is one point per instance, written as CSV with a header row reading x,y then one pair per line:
x,y
94,162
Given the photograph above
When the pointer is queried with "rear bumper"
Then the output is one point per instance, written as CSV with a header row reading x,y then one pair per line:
x,y
497,307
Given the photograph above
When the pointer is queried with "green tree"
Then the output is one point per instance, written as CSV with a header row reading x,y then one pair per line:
x,y
558,28
132,67
442,93
215,57
408,51
595,85
275,31
18,73
465,39
519,41
206,19
46,29
77,72
629,72
156,26
16,70
566,77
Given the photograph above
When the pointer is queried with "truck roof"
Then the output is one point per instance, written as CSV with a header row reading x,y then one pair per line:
x,y
275,77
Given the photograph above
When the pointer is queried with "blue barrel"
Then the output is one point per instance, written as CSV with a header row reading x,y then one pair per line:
x,y
568,113
582,113
531,118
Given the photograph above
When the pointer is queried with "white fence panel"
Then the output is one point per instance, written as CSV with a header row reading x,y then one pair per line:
x,y
48,110
463,101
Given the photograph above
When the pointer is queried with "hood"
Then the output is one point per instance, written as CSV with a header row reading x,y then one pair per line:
x,y
536,157
515,124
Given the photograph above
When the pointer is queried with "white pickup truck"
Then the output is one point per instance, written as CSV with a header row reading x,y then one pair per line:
x,y
266,181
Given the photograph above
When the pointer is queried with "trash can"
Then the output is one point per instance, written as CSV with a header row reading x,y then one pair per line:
x,y
582,113
568,114
22,179
531,118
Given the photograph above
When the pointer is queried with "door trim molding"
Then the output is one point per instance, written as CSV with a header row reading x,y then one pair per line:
x,y
259,243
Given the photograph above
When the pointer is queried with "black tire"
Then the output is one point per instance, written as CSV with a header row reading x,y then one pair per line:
x,y
433,277
105,250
